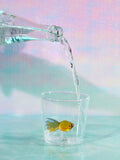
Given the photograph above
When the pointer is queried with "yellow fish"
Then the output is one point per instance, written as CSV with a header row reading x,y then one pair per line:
x,y
53,125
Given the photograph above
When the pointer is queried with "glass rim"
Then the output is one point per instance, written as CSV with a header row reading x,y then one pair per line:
x,y
87,97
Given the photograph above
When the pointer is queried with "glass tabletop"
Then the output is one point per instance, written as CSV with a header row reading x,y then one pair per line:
x,y
21,138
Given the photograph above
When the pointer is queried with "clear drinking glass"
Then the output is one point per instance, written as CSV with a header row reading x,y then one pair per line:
x,y
65,116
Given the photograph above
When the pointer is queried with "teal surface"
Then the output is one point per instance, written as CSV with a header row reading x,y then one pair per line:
x,y
21,138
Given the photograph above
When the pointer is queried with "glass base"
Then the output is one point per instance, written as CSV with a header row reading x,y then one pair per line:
x,y
62,139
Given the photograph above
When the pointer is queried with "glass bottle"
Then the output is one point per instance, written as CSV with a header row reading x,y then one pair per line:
x,y
15,29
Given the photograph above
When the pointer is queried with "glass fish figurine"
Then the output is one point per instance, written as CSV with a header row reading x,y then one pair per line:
x,y
53,125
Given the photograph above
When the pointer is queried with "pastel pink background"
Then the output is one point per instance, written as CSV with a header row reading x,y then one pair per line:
x,y
93,30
